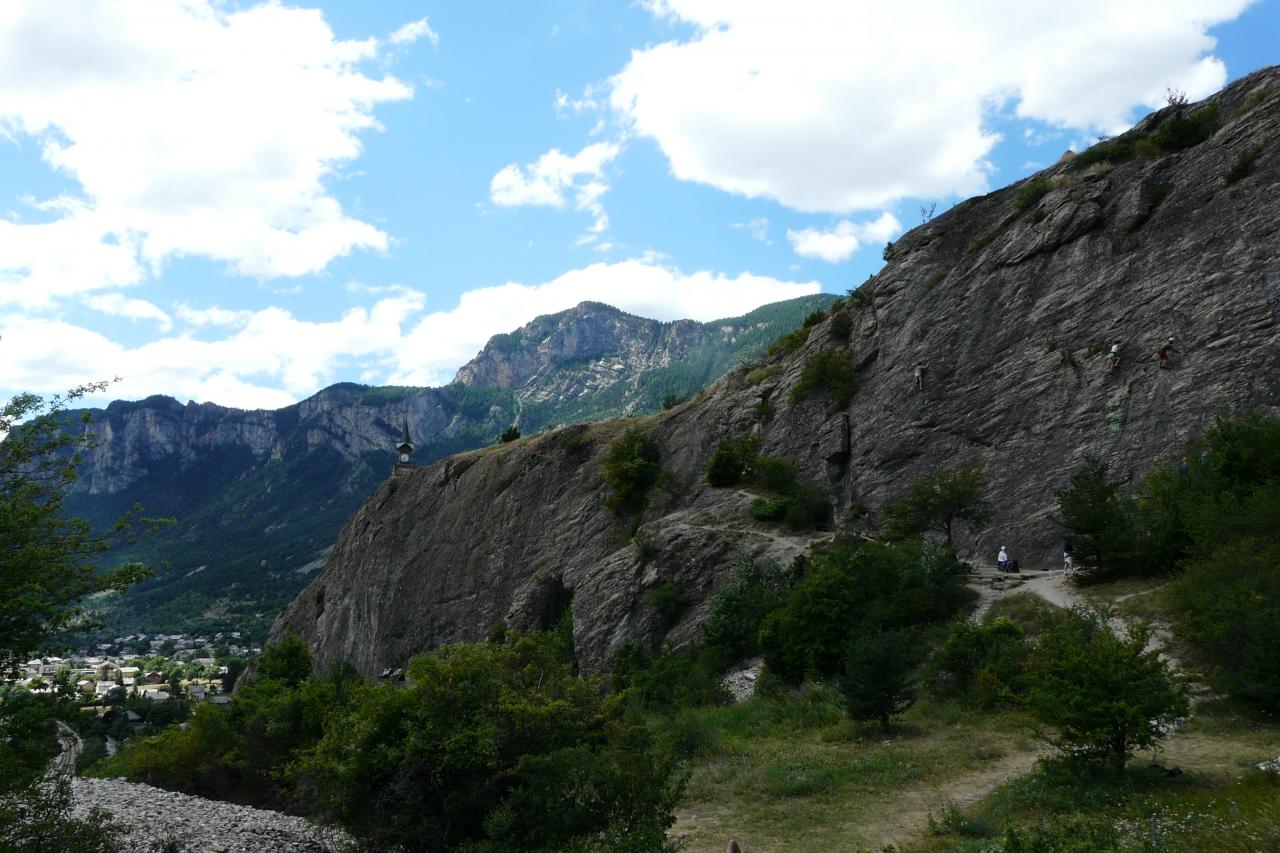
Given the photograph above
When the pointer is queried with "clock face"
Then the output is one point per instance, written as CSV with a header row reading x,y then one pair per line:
x,y
404,457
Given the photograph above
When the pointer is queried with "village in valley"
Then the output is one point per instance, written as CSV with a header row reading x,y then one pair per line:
x,y
155,667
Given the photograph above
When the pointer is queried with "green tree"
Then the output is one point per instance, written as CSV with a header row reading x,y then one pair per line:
x,y
48,565
1098,518
510,434
493,747
1104,695
49,561
631,468
877,683
935,502
756,588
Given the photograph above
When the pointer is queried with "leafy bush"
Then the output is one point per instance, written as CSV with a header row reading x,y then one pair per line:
x,y
1243,166
877,682
814,319
732,461
982,664
855,587
790,341
509,434
493,747
842,325
1228,604
1180,131
631,470
669,601
669,680
670,401
732,627
937,501
827,371
1098,517
1029,195
1105,695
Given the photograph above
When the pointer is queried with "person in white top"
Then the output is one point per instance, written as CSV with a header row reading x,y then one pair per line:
x,y
1002,559
1115,354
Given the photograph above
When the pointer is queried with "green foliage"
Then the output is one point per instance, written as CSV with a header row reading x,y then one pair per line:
x,y
669,601
935,502
1029,195
841,325
827,371
668,681
1098,518
1185,130
1228,604
509,434
888,251
288,661
854,588
1175,133
670,401
48,563
1244,164
755,589
631,469
1105,695
877,682
37,819
790,341
492,747
813,319
384,395
731,463
982,664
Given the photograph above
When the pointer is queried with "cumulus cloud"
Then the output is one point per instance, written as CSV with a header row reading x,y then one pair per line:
x,y
839,242
554,177
413,31
132,309
850,106
445,340
190,128
273,359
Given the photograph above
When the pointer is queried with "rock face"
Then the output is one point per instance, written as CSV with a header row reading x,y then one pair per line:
x,y
1012,300
260,495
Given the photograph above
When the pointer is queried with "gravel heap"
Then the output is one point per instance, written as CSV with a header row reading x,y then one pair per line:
x,y
155,816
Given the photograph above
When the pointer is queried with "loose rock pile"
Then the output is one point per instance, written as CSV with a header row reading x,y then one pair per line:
x,y
194,825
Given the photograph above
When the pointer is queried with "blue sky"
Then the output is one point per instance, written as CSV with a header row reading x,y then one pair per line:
x,y
242,203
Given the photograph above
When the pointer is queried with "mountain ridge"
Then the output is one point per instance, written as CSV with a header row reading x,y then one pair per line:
x,y
260,494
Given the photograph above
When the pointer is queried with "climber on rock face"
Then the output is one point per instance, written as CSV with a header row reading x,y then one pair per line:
x,y
921,367
1114,358
1162,354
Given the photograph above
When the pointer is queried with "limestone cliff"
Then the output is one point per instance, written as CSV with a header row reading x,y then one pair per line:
x,y
1011,299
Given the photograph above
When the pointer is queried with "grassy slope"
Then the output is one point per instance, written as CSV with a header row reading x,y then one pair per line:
x,y
792,775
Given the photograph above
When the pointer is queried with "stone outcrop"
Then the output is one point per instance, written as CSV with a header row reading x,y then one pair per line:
x,y
1013,311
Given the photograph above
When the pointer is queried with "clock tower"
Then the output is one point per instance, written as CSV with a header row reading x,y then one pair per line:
x,y
404,454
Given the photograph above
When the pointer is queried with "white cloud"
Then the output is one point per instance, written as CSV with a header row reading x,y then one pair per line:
x,y
835,107
273,359
838,243
191,128
270,358
758,228
212,316
555,176
132,309
413,31
567,105
445,340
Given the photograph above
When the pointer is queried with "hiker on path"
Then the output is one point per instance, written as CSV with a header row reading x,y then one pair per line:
x,y
1066,558
921,367
1162,354
1114,358
1002,559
